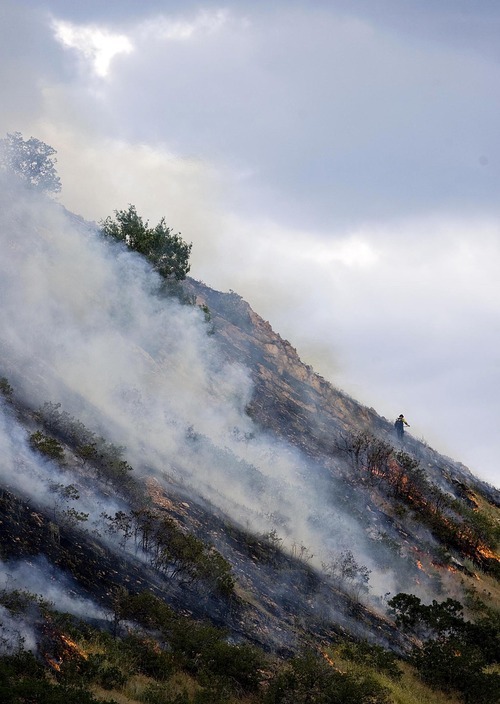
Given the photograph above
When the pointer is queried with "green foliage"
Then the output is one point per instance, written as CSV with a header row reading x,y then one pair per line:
x,y
167,252
147,610
236,665
23,681
208,318
20,600
31,161
106,458
5,388
310,678
47,446
199,648
453,664
455,654
173,552
373,656
149,658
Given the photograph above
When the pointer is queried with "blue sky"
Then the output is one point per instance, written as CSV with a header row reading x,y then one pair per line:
x,y
336,163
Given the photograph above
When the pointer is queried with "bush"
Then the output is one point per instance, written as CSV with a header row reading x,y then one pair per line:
x,y
455,654
47,446
23,681
5,388
239,665
310,678
149,659
372,656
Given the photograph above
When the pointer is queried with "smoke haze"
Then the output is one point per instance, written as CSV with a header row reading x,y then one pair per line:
x,y
84,325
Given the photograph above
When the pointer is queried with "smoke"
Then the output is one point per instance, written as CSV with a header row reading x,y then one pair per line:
x,y
84,324
41,580
38,577
16,632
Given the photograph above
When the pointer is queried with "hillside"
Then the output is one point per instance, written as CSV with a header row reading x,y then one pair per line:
x,y
190,513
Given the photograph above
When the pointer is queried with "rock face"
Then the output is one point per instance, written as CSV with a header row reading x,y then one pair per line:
x,y
308,412
289,398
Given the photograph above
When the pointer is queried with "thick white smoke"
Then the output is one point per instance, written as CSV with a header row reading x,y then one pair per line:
x,y
82,324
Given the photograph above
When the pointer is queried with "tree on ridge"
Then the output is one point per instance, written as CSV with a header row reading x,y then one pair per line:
x,y
167,252
31,161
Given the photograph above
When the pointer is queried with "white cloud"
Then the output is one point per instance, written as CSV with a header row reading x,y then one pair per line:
x,y
96,45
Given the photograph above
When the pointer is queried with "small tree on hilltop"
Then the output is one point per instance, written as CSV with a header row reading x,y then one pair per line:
x,y
31,161
167,252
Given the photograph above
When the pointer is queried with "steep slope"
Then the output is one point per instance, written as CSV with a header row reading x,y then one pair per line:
x,y
153,446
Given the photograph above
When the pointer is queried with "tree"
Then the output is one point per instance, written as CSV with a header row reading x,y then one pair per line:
x,y
452,653
167,252
347,573
31,161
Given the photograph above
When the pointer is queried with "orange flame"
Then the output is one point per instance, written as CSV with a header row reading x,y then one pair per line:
x,y
486,552
330,661
55,665
327,658
73,646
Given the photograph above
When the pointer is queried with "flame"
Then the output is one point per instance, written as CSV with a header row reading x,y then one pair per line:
x,y
486,552
73,646
327,658
419,565
53,663
330,661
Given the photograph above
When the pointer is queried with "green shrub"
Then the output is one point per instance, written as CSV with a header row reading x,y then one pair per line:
x,y
373,656
5,388
149,659
46,445
310,678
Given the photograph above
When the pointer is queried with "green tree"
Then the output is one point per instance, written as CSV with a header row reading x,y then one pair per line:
x,y
453,654
31,161
167,252
47,446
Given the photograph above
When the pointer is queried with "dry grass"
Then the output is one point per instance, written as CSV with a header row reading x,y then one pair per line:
x,y
411,690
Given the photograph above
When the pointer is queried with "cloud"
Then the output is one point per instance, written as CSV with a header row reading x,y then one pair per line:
x,y
291,111
95,45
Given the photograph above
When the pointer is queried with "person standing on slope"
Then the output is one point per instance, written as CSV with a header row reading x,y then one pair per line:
x,y
400,426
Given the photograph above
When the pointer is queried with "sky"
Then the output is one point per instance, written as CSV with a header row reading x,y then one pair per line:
x,y
335,163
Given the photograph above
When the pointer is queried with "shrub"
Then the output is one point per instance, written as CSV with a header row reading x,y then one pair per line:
x,y
309,678
454,654
149,659
47,446
5,388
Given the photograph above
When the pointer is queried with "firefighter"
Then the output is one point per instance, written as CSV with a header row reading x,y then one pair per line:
x,y
400,426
